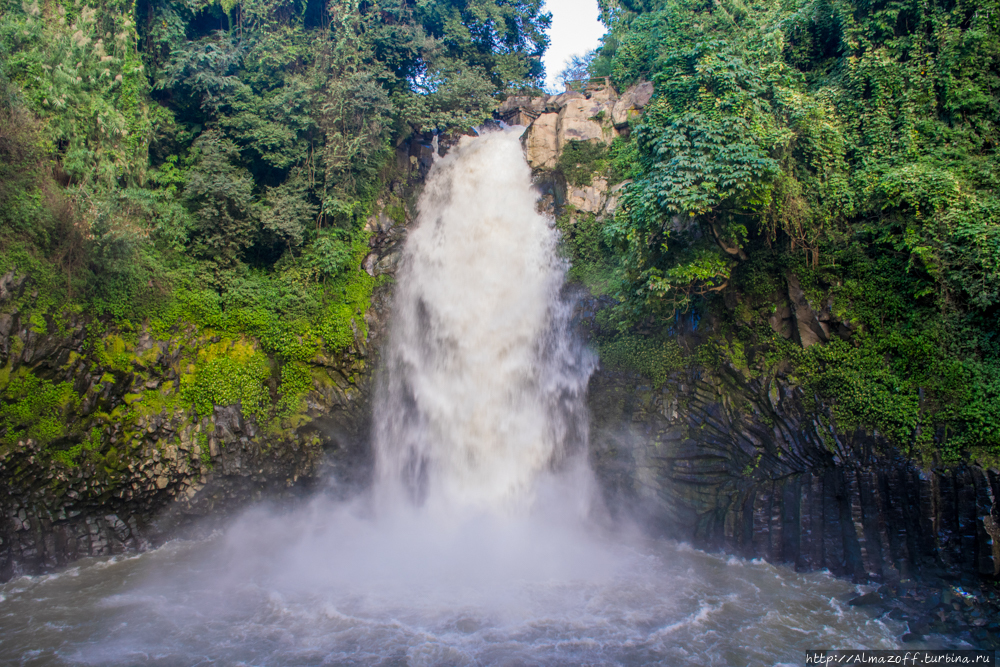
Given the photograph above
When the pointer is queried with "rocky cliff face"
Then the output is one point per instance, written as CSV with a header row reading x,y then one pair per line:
x,y
596,116
154,466
132,464
732,459
743,466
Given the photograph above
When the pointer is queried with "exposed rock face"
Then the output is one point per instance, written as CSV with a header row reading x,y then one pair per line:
x,y
582,119
556,120
572,116
743,466
631,103
808,326
541,141
168,467
590,199
167,470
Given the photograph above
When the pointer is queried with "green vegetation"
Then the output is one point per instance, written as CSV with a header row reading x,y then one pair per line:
x,y
235,376
851,145
71,457
204,171
654,359
580,160
34,408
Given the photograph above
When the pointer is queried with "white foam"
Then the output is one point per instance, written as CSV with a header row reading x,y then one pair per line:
x,y
484,387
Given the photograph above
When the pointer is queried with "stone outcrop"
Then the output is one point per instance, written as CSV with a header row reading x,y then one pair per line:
x,y
541,142
554,120
741,465
597,116
631,103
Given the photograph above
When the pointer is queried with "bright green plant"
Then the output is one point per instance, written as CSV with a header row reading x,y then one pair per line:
x,y
35,408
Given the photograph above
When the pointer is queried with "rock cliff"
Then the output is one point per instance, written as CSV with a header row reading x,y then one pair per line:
x,y
735,459
128,463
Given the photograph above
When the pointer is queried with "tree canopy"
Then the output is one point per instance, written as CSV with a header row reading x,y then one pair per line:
x,y
243,135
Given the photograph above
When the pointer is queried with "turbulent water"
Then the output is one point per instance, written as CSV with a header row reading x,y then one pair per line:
x,y
484,388
481,542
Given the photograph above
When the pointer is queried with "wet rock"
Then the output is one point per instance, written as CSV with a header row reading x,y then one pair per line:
x,y
866,599
808,326
742,465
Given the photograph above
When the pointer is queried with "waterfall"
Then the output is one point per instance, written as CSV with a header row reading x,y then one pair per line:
x,y
482,548
483,388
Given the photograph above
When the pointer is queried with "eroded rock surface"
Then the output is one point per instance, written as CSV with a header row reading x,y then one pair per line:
x,y
743,466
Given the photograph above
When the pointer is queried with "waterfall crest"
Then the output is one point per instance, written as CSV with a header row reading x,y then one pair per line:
x,y
483,388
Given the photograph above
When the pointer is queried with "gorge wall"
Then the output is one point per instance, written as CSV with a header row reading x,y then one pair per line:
x,y
723,456
732,458
129,462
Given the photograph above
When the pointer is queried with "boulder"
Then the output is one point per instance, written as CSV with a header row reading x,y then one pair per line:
x,y
631,103
588,199
557,102
581,120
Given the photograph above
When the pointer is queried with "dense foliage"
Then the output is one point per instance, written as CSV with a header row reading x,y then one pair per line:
x,y
850,144
166,163
238,133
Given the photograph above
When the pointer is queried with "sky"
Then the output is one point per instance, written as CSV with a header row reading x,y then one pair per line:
x,y
575,30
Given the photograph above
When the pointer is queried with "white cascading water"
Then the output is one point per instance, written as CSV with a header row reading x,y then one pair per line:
x,y
484,388
480,548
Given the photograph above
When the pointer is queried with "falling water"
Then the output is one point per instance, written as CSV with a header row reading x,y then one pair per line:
x,y
484,388
481,543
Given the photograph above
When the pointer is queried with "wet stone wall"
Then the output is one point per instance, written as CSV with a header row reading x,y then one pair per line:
x,y
743,467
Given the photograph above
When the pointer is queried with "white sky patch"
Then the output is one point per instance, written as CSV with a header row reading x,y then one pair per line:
x,y
575,30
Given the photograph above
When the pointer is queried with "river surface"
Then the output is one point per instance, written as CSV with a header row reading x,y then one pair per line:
x,y
482,540
212,603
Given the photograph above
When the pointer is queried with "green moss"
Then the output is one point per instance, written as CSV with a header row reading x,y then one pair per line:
x,y
37,323
751,468
71,361
16,345
296,381
35,408
112,352
204,451
5,374
651,358
230,381
90,445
